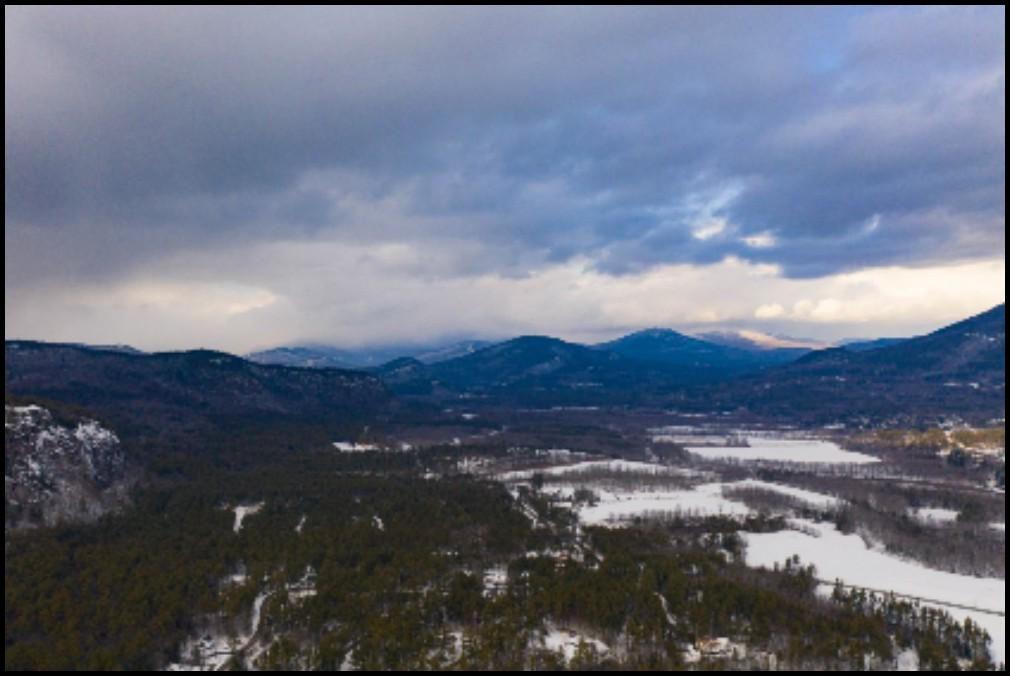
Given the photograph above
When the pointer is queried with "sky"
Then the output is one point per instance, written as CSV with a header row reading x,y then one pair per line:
x,y
245,178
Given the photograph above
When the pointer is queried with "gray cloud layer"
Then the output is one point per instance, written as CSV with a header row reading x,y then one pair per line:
x,y
504,139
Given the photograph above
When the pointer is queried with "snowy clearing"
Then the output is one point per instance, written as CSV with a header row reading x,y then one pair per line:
x,y
847,558
768,449
242,512
567,642
614,507
350,447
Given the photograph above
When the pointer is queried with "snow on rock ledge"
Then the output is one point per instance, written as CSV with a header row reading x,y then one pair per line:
x,y
59,472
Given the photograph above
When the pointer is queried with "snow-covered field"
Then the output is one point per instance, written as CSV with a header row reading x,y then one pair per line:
x,y
847,558
835,555
617,507
615,504
771,449
614,507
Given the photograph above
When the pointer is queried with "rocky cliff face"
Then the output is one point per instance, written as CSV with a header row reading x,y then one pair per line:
x,y
59,471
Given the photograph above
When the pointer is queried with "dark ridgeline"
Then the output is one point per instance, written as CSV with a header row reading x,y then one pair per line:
x,y
324,356
664,346
187,390
959,370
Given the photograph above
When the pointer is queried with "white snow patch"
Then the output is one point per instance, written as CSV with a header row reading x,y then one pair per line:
x,y
242,512
470,465
813,451
567,642
208,653
702,501
908,661
495,580
847,558
257,616
670,619
706,500
350,447
90,432
934,515
24,410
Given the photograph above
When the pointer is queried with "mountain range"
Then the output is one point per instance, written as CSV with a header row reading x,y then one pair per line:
x,y
959,370
720,353
324,356
539,370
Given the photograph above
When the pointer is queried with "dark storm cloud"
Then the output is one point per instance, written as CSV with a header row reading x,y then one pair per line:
x,y
850,138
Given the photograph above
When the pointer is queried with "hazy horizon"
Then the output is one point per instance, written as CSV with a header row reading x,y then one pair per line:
x,y
702,333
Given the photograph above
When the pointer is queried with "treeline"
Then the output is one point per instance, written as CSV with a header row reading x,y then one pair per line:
x,y
941,643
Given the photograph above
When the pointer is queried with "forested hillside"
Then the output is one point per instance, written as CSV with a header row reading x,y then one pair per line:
x,y
333,566
164,393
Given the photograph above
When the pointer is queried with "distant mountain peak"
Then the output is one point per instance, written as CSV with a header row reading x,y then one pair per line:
x,y
749,339
671,348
